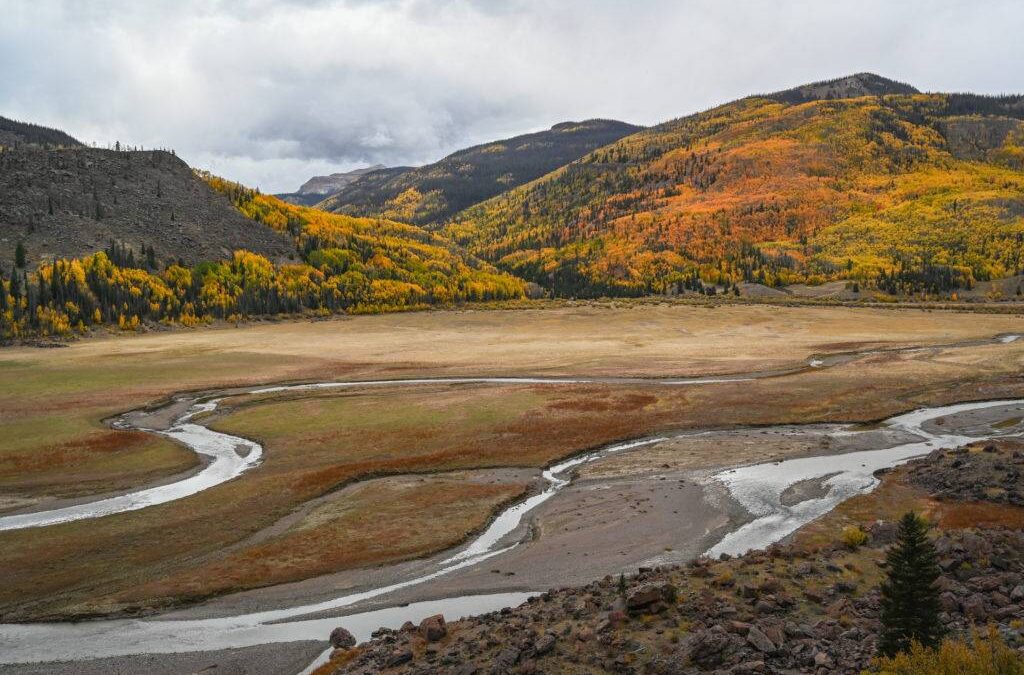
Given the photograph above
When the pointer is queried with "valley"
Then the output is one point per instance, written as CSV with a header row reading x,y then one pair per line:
x,y
365,485
736,388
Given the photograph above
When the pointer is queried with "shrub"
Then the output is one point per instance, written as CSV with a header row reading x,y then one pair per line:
x,y
987,655
854,537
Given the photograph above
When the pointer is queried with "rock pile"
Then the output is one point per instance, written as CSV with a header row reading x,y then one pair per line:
x,y
986,472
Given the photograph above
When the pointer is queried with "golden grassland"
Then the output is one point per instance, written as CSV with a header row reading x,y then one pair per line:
x,y
247,533
53,400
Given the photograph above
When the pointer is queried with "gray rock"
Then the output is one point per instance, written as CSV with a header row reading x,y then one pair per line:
x,y
342,639
760,641
398,657
544,644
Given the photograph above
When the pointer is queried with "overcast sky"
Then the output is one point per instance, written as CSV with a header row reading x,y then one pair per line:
x,y
270,92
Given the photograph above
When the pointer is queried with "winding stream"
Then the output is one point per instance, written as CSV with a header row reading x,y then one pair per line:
x,y
758,488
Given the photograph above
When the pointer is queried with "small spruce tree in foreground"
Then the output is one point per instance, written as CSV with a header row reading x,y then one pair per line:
x,y
910,600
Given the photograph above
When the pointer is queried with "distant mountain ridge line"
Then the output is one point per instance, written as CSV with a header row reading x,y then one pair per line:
x,y
429,194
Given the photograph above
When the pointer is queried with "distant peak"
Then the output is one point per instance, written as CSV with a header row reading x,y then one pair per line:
x,y
596,123
325,185
848,86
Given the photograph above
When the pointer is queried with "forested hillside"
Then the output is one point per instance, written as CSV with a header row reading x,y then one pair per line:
x,y
899,191
432,193
343,264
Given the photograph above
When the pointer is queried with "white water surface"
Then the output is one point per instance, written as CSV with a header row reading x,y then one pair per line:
x,y
759,488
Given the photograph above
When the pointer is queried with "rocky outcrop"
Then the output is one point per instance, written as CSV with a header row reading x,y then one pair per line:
x,y
984,472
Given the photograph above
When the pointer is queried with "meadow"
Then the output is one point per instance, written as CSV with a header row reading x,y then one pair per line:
x,y
419,468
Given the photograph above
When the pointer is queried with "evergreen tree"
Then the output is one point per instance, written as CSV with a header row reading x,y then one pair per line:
x,y
19,255
910,600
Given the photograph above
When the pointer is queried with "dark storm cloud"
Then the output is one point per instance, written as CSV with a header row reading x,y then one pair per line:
x,y
271,91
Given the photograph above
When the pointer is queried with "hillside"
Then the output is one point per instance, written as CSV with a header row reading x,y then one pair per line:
x,y
899,191
343,264
317,188
432,193
17,134
66,203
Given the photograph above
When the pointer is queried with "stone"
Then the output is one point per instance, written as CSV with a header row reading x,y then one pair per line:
x,y
544,644
433,628
974,607
643,596
1017,594
708,648
342,639
737,627
398,657
949,602
507,658
760,641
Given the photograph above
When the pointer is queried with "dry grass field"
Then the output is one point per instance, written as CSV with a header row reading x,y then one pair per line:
x,y
308,509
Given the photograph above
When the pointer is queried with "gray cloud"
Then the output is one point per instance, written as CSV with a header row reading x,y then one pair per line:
x,y
271,91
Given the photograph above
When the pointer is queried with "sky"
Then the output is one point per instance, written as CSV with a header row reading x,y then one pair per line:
x,y
271,92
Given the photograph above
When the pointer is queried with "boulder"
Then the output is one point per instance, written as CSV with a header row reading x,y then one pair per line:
x,y
760,641
398,657
544,644
342,639
708,648
433,628
646,595
1017,594
975,608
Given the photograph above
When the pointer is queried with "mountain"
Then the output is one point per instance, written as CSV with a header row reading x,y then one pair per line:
x,y
342,264
894,190
432,193
72,201
851,86
16,134
316,188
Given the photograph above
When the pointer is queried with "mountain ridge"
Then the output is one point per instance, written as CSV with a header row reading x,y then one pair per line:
x,y
761,190
318,188
430,194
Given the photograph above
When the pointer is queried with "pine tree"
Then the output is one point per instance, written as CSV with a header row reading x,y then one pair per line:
x,y
19,255
910,600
